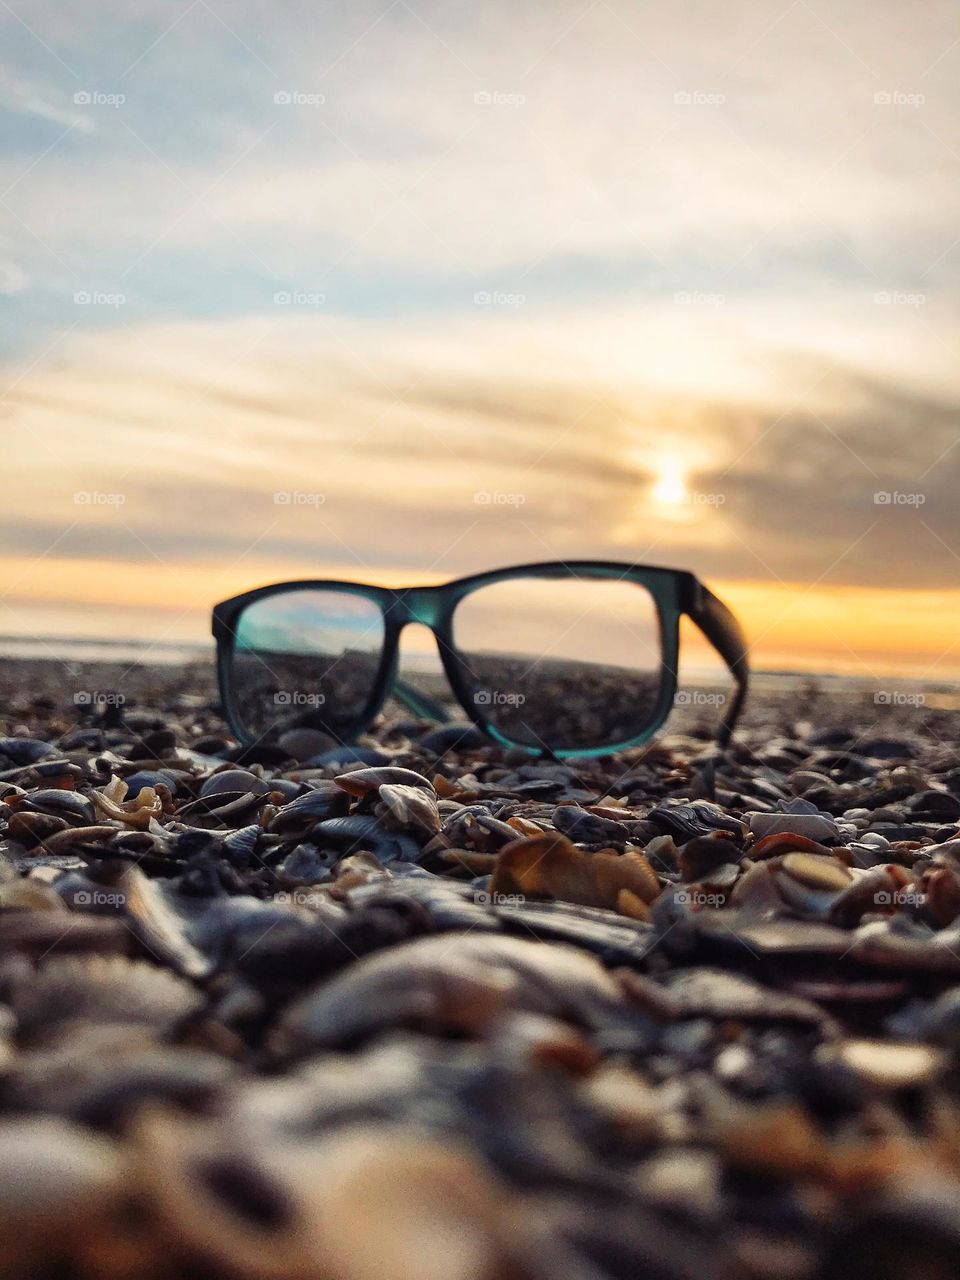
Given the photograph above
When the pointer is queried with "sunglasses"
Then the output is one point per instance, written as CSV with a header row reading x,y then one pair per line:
x,y
563,659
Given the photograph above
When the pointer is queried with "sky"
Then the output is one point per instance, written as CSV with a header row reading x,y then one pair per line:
x,y
398,292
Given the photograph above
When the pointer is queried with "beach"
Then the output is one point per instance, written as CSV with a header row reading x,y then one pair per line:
x,y
421,1005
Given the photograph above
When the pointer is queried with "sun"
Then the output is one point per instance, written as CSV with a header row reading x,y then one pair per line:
x,y
670,485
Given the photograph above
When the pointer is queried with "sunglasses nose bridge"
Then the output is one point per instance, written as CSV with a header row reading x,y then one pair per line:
x,y
419,604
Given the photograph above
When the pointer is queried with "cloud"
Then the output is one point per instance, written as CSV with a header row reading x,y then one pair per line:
x,y
24,96
398,454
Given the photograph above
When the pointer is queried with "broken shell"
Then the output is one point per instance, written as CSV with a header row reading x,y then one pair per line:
x,y
551,867
409,808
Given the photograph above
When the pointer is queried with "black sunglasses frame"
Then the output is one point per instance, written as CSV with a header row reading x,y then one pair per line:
x,y
675,592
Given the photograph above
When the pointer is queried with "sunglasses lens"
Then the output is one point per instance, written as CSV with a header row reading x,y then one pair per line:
x,y
567,664
307,657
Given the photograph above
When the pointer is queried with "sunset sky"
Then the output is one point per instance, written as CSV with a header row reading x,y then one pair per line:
x,y
398,292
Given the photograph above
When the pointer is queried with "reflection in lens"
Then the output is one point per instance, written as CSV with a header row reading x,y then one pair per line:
x,y
564,663
307,657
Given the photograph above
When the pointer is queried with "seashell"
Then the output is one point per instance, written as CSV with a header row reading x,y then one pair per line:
x,y
702,854
525,827
625,1101
717,994
355,870
109,803
32,829
25,750
533,1041
153,778
241,845
416,1188
29,895
61,1186
474,827
888,1064
299,816
816,872
223,809
361,831
684,821
811,884
812,825
477,864
157,925
69,806
781,842
98,989
233,782
551,867
409,808
454,982
877,889
305,865
43,933
588,828
361,782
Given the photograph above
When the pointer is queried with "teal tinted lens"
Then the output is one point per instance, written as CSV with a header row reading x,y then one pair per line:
x,y
569,664
305,658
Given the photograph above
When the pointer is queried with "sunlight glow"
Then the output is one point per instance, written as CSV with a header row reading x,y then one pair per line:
x,y
670,487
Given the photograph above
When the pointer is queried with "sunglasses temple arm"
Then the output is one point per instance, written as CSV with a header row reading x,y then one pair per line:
x,y
419,703
724,632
